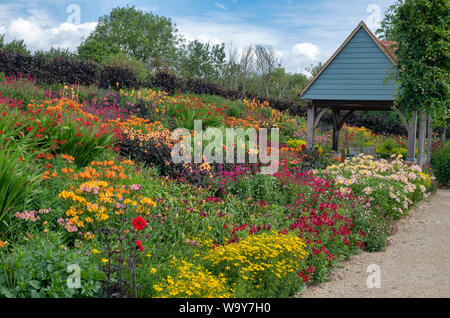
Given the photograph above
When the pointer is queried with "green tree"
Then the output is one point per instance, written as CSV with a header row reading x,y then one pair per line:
x,y
142,35
123,60
421,30
385,30
202,60
56,52
15,46
314,69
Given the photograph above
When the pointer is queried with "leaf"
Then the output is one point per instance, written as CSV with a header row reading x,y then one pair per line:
x,y
35,284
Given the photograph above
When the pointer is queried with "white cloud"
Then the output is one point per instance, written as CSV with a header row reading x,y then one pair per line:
x,y
219,5
307,49
64,35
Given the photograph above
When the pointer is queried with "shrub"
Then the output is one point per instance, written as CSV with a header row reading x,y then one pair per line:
x,y
167,82
400,151
17,63
263,265
58,69
122,60
296,143
40,268
117,77
191,281
374,227
391,186
440,163
61,69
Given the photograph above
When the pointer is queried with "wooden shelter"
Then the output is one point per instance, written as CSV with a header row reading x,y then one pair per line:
x,y
356,77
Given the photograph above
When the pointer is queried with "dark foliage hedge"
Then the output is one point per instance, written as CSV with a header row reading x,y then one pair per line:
x,y
117,77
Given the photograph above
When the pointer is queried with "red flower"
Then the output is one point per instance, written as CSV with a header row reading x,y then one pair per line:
x,y
139,223
315,251
311,269
139,244
305,278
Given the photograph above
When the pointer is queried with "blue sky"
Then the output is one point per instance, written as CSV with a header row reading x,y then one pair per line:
x,y
302,32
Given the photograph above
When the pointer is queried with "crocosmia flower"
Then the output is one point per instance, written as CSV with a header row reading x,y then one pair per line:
x,y
139,244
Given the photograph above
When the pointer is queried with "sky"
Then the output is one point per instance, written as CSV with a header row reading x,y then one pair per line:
x,y
303,32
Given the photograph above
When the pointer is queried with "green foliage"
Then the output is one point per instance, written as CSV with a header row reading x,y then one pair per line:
x,y
376,227
441,165
140,34
295,143
57,52
18,179
21,88
420,28
15,46
123,60
40,268
202,60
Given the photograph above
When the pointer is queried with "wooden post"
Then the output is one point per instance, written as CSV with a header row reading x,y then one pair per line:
x,y
336,129
338,121
411,128
429,139
412,133
422,134
444,133
311,114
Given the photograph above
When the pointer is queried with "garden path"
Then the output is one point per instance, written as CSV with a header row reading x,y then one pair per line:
x,y
415,264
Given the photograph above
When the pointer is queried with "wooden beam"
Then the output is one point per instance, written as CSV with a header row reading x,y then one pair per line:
x,y
354,104
310,120
338,121
319,116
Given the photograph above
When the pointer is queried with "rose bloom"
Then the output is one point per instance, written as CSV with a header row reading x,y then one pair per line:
x,y
139,223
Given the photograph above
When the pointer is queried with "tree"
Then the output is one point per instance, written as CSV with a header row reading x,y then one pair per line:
x,y
56,52
266,62
387,24
15,46
142,35
202,60
246,66
231,75
420,28
314,69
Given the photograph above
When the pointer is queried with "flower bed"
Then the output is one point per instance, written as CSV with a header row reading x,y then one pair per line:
x,y
98,183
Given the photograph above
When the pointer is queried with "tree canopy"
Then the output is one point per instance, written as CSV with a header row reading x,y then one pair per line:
x,y
422,31
142,35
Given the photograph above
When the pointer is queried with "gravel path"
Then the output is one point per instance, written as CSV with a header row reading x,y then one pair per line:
x,y
415,264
